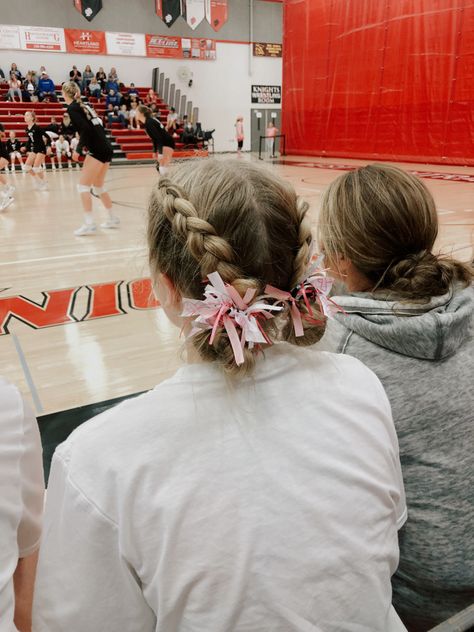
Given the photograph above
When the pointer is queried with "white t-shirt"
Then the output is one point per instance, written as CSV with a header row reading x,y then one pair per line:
x,y
21,492
266,505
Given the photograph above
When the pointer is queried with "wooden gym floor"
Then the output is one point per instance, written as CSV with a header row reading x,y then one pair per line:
x,y
92,335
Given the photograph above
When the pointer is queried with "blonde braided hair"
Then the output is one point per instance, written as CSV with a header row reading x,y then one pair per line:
x,y
241,221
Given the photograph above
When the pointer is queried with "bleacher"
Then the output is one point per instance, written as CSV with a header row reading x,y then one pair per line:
x,y
130,145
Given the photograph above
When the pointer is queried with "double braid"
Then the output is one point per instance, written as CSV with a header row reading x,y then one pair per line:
x,y
303,254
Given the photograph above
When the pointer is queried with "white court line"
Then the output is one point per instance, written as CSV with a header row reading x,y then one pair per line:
x,y
27,373
468,210
444,211
71,256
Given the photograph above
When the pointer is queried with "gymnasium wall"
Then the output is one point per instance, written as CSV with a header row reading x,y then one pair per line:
x,y
380,79
138,16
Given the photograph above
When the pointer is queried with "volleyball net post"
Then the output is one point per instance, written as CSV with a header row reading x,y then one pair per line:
x,y
265,138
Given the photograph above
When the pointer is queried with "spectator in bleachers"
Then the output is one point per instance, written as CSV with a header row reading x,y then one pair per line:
x,y
14,69
132,114
115,116
29,87
133,91
2,76
95,89
87,77
151,97
112,76
101,77
76,76
14,88
171,120
112,98
125,113
14,148
113,85
66,128
188,136
46,88
409,316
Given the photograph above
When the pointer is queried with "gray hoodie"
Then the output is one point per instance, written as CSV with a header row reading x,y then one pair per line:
x,y
424,356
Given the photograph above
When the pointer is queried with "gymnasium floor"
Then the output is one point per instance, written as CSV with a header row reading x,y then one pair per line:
x,y
96,337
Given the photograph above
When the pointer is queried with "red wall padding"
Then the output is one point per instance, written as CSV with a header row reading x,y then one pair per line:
x,y
380,79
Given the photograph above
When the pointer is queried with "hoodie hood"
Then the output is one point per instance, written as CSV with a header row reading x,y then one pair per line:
x,y
429,331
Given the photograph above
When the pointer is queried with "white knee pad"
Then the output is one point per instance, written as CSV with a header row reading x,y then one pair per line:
x,y
99,190
37,169
28,168
83,188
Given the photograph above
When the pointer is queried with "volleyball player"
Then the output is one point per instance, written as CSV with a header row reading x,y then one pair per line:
x,y
97,162
36,149
6,192
163,143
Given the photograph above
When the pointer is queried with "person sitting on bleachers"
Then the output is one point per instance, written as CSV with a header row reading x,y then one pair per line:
x,y
87,77
112,99
67,128
46,88
133,91
94,88
76,76
113,85
133,124
29,88
171,120
115,116
151,97
17,73
14,88
409,316
101,77
113,76
2,77
188,136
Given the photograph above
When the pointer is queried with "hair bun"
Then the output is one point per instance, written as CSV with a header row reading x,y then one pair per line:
x,y
422,274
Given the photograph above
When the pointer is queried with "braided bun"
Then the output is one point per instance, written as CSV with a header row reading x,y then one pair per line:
x,y
241,221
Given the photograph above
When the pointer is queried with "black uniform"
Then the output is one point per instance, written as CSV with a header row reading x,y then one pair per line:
x,y
158,135
91,132
14,145
35,142
3,148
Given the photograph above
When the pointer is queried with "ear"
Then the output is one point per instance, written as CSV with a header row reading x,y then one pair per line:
x,y
166,292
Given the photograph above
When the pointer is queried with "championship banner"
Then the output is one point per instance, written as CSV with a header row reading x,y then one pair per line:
x,y
216,13
195,48
171,11
132,44
159,8
88,8
194,12
161,46
9,36
42,38
85,42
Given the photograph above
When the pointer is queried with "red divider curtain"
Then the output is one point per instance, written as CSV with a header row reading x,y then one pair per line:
x,y
380,79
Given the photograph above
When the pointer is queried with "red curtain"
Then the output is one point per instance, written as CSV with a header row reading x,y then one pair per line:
x,y
380,79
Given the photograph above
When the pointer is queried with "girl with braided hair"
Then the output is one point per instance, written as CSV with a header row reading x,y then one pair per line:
x,y
97,162
258,488
410,318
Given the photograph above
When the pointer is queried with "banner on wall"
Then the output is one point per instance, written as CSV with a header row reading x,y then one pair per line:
x,y
132,44
194,12
171,10
88,8
85,42
9,36
42,38
216,13
161,46
266,49
196,48
266,94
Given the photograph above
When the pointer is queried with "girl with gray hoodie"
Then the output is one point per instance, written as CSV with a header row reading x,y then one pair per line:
x,y
409,317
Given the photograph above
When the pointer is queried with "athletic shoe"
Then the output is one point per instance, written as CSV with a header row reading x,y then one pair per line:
x,y
111,222
86,229
5,202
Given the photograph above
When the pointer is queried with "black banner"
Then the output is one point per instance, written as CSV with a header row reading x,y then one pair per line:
x,y
88,8
171,10
266,94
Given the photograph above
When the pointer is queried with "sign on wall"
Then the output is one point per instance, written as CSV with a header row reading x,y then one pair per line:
x,y
266,49
216,13
88,8
193,11
126,44
266,94
42,38
87,42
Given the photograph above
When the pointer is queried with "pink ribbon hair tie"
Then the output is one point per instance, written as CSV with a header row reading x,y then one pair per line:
x,y
224,307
